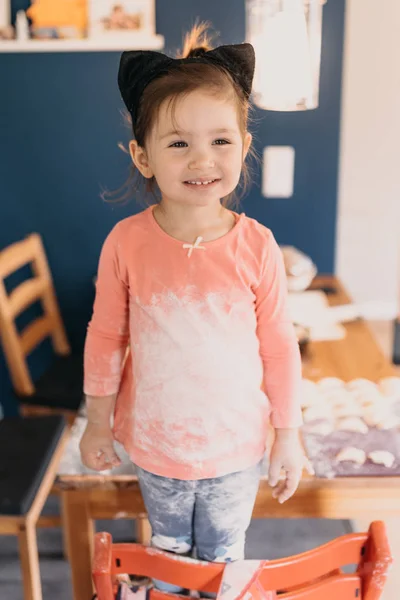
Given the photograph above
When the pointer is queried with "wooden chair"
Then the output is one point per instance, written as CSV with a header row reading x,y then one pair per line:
x,y
313,575
30,451
60,388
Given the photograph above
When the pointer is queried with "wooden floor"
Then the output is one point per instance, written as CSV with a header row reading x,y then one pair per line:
x,y
383,332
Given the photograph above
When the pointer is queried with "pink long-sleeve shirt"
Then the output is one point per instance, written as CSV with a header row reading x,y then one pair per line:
x,y
213,353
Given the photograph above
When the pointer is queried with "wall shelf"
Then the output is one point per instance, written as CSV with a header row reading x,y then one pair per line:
x,y
104,44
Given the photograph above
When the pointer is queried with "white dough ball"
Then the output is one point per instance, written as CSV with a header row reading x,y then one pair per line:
x,y
351,454
382,457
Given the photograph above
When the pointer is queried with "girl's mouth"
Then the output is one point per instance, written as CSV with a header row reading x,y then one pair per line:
x,y
201,183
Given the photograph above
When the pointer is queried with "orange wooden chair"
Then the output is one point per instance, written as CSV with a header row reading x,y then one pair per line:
x,y
59,390
313,575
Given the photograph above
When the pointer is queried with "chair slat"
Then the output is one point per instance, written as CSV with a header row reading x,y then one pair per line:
x,y
18,254
315,563
35,332
24,295
344,587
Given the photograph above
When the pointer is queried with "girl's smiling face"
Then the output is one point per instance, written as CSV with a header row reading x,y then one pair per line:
x,y
195,149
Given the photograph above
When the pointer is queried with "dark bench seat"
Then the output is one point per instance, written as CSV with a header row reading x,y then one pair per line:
x,y
26,449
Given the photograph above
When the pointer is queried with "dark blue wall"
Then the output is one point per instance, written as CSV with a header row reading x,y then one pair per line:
x,y
60,124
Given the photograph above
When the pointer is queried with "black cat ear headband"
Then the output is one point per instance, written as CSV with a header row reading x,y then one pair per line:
x,y
139,68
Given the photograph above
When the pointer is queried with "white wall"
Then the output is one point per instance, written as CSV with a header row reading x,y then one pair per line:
x,y
368,236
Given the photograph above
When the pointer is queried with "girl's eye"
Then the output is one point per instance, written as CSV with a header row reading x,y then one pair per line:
x,y
181,144
178,145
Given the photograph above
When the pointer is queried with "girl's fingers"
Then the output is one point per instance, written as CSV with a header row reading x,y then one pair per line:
x,y
286,488
111,458
92,461
279,489
292,483
274,473
101,460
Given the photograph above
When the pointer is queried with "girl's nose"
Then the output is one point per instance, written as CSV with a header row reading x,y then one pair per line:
x,y
201,161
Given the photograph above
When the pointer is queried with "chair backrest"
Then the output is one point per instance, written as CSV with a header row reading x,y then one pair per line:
x,y
308,576
17,345
318,573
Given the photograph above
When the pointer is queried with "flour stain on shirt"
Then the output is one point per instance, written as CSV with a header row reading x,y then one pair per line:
x,y
198,375
112,364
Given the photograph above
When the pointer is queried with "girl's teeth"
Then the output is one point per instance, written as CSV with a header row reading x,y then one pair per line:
x,y
200,182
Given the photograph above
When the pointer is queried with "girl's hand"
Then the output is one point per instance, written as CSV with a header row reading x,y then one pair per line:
x,y
97,448
287,454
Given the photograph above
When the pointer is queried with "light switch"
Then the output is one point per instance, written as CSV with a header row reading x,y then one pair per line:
x,y
278,171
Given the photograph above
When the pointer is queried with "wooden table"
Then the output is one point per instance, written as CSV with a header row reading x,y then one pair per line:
x,y
90,497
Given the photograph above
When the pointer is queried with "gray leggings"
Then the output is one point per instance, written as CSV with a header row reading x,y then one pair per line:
x,y
211,515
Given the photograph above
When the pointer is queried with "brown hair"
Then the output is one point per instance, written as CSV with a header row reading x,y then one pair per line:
x,y
173,86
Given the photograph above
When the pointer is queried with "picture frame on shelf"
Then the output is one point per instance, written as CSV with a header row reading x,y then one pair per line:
x,y
61,19
80,26
6,30
5,12
109,19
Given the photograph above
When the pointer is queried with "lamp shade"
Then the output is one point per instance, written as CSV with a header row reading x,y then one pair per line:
x,y
286,35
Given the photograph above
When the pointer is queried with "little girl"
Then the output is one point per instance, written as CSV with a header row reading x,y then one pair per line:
x,y
199,293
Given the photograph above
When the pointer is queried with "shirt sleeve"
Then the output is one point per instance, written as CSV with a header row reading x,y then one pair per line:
x,y
279,348
108,331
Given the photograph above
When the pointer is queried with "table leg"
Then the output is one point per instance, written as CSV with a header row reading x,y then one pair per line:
x,y
64,528
28,553
143,530
79,535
